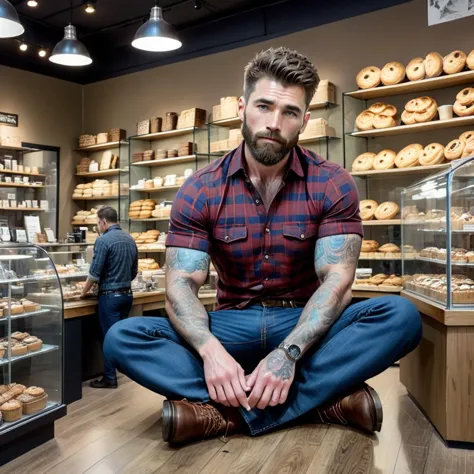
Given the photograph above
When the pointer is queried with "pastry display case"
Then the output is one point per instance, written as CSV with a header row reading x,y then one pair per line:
x,y
31,346
437,237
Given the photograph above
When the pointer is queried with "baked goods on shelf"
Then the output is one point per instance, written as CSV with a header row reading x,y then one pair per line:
x,y
454,62
386,211
11,410
368,77
420,110
97,188
381,280
364,162
87,140
392,73
147,241
458,255
17,400
371,249
142,209
378,115
146,264
17,306
415,69
385,160
432,154
409,156
433,65
464,105
86,217
435,286
367,209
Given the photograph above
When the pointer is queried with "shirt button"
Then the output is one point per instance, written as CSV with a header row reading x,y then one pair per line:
x,y
267,230
226,238
266,257
266,279
257,201
302,236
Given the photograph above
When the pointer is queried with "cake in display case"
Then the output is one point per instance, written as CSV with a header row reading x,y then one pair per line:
x,y
438,227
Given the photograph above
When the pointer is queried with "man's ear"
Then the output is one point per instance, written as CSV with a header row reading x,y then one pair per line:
x,y
307,116
242,105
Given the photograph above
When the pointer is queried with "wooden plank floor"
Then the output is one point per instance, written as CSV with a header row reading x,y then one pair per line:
x,y
119,431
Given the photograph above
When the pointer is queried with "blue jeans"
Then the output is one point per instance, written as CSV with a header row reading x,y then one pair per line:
x,y
112,308
367,338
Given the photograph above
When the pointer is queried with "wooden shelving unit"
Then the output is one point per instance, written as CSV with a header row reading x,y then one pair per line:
x,y
157,190
17,185
401,171
168,134
22,209
98,174
167,161
96,198
380,223
22,173
103,146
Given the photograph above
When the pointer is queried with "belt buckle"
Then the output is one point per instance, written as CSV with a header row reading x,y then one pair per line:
x,y
265,303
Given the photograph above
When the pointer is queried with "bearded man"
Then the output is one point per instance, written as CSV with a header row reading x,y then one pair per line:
x,y
283,230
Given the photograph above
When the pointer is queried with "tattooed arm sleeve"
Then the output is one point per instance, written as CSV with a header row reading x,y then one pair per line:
x,y
335,263
186,272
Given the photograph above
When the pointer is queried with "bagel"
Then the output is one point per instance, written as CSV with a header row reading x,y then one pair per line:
x,y
463,110
432,154
470,60
392,73
364,162
454,62
419,104
408,118
369,246
454,149
433,64
385,160
408,156
365,120
428,115
386,211
468,150
466,96
368,77
367,209
467,136
415,69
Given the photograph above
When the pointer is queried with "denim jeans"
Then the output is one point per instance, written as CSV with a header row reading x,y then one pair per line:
x,y
112,308
367,338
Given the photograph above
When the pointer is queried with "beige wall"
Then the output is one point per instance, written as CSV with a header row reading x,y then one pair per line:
x,y
50,113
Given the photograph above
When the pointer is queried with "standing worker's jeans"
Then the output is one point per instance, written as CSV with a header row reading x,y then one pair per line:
x,y
112,308
367,338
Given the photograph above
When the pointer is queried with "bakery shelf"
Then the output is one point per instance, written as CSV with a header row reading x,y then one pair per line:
x,y
102,146
99,174
401,171
303,141
378,289
66,244
24,315
387,222
151,219
156,190
45,349
83,223
418,127
228,122
22,209
17,185
322,105
96,198
170,133
22,173
414,86
152,251
443,262
72,276
66,252
167,161
384,259
6,425
17,148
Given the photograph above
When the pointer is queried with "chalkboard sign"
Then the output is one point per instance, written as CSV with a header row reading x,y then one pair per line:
x,y
8,119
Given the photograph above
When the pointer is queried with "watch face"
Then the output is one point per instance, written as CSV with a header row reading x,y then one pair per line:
x,y
294,351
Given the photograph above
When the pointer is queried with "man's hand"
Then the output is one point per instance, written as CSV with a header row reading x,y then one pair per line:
x,y
225,378
271,380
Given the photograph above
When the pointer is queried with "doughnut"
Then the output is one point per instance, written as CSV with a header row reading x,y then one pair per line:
x,y
368,77
454,149
367,209
466,96
364,162
409,156
383,121
420,104
433,64
389,248
454,62
432,154
408,118
369,246
416,69
427,115
365,120
467,136
468,150
392,73
463,110
385,160
386,211
470,60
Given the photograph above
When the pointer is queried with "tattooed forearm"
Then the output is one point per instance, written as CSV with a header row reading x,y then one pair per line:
x,y
335,263
186,272
279,365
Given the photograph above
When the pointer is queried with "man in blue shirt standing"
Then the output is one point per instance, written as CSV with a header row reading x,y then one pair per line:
x,y
114,266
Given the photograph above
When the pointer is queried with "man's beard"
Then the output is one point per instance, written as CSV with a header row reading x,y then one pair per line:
x,y
266,153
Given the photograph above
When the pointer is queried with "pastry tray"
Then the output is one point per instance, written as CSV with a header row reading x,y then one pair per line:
x,y
378,288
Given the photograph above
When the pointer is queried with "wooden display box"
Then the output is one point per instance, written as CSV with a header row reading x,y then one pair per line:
x,y
326,92
192,118
439,373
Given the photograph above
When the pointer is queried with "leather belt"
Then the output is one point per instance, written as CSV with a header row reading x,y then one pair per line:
x,y
270,303
127,291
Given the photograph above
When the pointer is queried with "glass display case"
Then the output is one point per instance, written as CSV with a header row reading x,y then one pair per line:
x,y
31,346
437,236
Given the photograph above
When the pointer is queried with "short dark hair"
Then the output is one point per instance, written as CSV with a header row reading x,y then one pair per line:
x,y
108,213
284,65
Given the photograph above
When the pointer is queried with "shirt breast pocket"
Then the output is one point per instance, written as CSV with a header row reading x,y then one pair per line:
x,y
230,240
300,240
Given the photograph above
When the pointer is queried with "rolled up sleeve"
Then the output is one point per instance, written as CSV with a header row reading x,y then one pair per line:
x,y
98,260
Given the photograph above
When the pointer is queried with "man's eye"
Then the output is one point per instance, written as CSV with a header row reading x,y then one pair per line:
x,y
262,107
290,113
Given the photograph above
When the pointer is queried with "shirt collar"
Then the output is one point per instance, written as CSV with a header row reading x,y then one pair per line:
x,y
237,161
113,227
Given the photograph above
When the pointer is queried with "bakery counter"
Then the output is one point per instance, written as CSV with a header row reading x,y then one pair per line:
x,y
439,373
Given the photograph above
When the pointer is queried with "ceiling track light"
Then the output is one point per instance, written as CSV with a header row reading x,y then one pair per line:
x,y
23,47
10,25
90,8
156,34
32,3
42,53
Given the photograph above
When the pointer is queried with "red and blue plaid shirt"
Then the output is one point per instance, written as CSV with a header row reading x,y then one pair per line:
x,y
260,254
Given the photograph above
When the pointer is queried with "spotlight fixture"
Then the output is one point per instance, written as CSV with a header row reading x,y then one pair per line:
x,y
10,25
156,34
70,51
32,3
42,53
23,46
89,7
197,4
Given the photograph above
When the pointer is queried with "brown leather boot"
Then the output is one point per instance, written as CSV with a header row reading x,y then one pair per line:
x,y
186,421
362,409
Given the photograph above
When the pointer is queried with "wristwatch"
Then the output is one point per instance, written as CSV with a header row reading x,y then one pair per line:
x,y
293,351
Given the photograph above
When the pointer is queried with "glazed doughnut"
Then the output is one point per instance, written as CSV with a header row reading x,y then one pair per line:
x,y
383,121
467,136
367,209
466,96
392,73
409,156
364,162
365,120
454,62
408,118
470,60
369,246
420,104
427,115
389,248
377,107
468,150
416,69
386,211
433,154
454,149
463,110
385,160
368,77
433,64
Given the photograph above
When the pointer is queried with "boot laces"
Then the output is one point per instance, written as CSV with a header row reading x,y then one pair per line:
x,y
214,421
